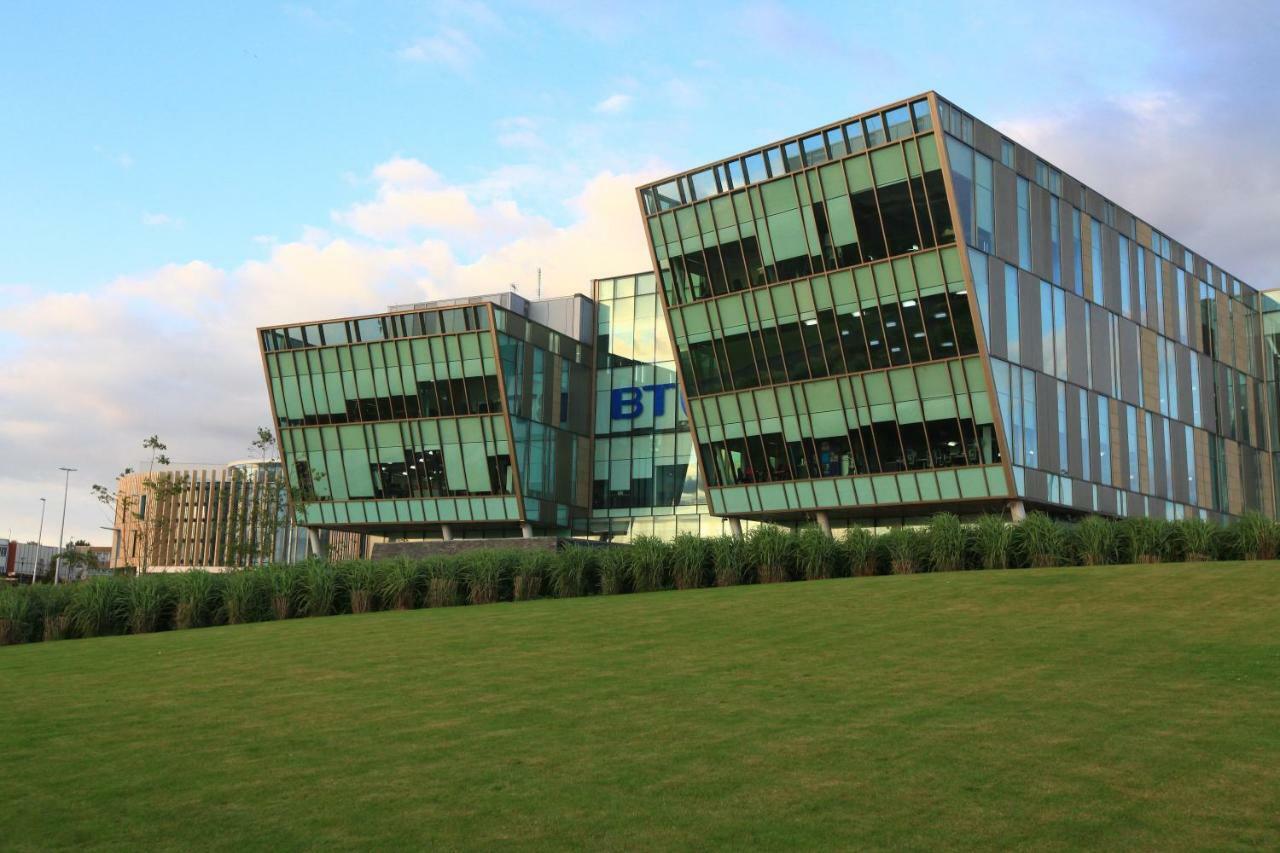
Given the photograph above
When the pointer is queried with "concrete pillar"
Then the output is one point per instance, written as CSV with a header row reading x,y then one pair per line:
x,y
735,527
446,533
1017,511
526,530
314,546
824,521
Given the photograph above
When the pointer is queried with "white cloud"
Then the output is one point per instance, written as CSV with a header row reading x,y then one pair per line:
x,y
159,220
614,104
519,132
450,48
412,201
89,374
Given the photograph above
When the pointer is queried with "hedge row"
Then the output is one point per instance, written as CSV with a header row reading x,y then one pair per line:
x,y
193,599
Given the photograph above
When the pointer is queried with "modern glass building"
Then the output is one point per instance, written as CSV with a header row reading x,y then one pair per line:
x,y
905,311
894,314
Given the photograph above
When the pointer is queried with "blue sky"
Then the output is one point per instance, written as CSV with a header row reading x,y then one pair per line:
x,y
175,174
150,133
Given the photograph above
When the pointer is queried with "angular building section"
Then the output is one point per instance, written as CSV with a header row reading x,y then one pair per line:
x,y
904,312
468,413
1129,370
824,327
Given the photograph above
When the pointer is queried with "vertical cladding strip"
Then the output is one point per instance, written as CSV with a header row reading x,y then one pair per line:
x,y
962,249
675,349
206,485
506,413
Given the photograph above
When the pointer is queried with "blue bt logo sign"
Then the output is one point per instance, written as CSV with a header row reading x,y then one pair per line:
x,y
626,404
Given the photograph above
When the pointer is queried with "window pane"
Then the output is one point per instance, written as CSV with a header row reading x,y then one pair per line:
x,y
875,131
924,121
898,122
815,151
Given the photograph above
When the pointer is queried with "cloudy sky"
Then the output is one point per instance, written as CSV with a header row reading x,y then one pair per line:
x,y
174,175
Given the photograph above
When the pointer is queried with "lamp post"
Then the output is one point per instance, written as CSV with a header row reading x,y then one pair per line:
x,y
35,567
57,566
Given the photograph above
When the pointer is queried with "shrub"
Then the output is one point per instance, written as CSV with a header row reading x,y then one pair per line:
x,y
1041,541
487,572
399,583
816,554
945,540
992,541
530,574
144,603
649,564
689,558
571,574
50,606
859,547
1255,536
282,584
242,594
443,582
1095,540
195,597
95,606
317,587
1195,539
1139,539
770,549
360,577
15,615
614,568
730,561
903,547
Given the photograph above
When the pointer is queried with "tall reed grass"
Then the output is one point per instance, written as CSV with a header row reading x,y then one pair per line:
x,y
158,602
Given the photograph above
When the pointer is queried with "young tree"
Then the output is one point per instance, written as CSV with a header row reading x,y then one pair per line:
x,y
153,509
257,504
265,444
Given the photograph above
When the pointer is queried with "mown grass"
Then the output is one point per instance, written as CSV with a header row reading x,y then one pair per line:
x,y
1117,707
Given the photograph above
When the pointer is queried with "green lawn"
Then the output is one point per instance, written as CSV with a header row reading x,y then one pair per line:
x,y
1119,707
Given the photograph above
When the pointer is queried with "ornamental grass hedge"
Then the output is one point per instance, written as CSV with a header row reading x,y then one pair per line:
x,y
120,604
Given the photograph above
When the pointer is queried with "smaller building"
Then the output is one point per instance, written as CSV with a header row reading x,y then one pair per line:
x,y
24,558
214,518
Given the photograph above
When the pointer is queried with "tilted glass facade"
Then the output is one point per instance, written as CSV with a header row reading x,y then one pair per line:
x,y
905,310
405,421
823,324
1128,368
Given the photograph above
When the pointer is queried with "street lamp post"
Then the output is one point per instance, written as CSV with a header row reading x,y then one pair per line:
x,y
35,567
57,566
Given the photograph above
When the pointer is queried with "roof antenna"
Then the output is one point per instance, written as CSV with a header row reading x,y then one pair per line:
x,y
539,283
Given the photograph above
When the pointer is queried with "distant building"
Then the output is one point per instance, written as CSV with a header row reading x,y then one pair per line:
x,y
23,558
214,518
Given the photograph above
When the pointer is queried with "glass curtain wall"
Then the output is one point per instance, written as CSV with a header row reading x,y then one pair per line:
x,y
1127,368
822,323
393,420
646,478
